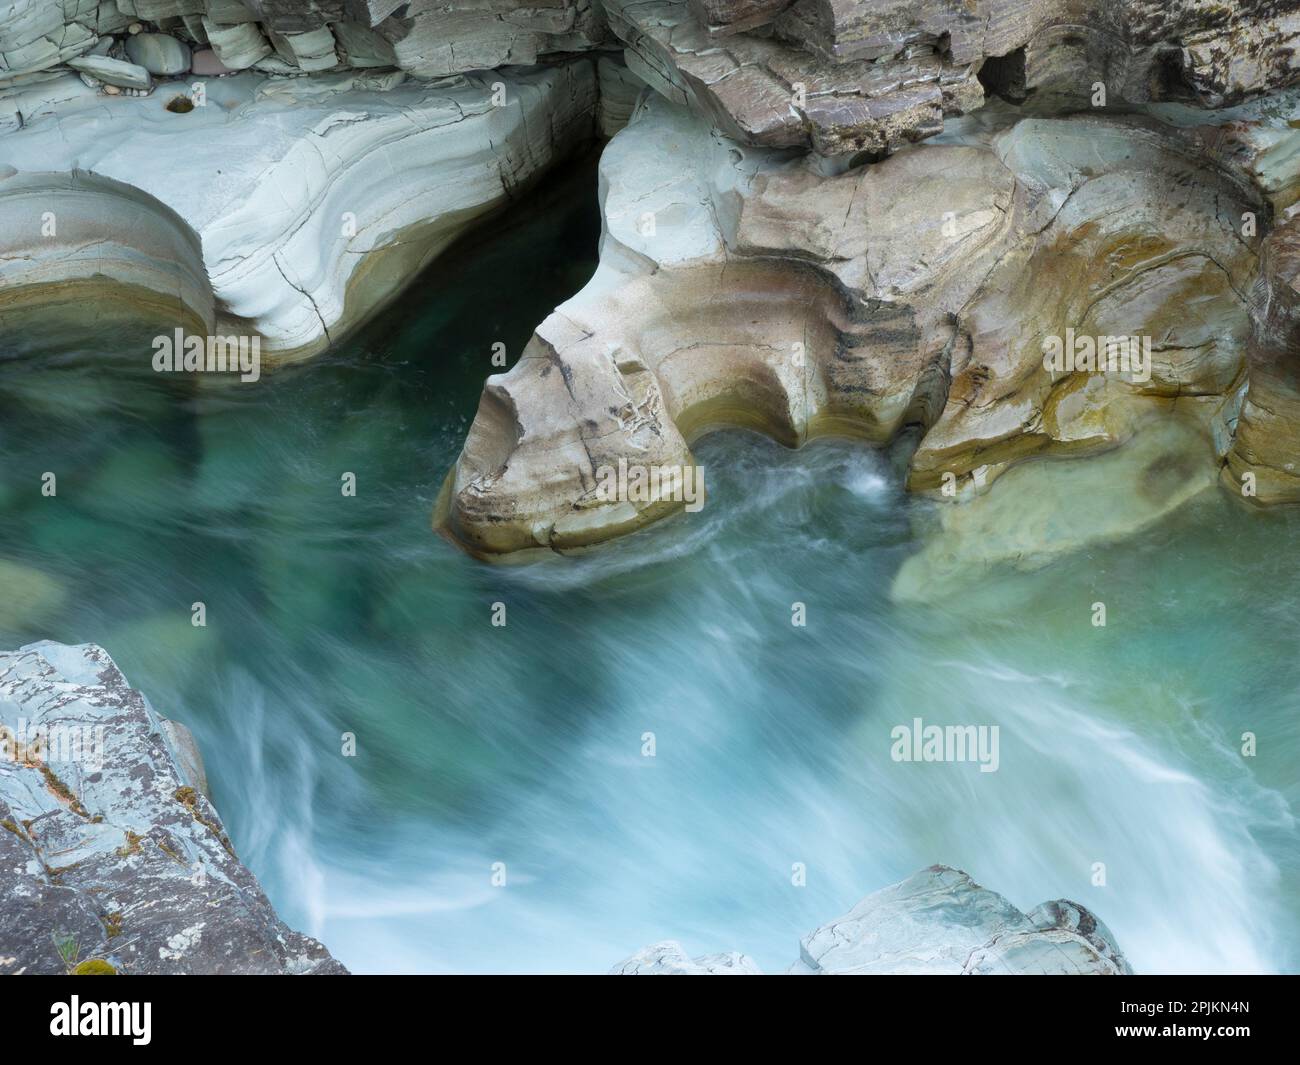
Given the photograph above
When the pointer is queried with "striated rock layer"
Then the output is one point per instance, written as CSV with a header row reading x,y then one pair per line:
x,y
110,852
844,76
427,38
289,209
1264,463
937,922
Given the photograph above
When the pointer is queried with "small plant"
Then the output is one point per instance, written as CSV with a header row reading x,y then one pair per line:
x,y
69,953
68,948
180,105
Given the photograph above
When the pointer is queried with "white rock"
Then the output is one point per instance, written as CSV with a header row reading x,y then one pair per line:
x,y
668,959
936,922
294,189
113,71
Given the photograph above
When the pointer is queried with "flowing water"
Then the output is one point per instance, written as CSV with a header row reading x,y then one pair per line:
x,y
521,750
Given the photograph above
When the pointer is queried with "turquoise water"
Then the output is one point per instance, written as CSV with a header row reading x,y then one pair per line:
x,y
523,745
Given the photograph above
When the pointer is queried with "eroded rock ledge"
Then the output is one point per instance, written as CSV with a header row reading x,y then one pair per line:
x,y
743,286
289,209
110,852
936,922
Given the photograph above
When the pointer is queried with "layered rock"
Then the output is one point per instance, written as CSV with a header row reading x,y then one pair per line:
x,y
937,922
763,91
844,76
290,209
427,38
1264,463
111,853
748,287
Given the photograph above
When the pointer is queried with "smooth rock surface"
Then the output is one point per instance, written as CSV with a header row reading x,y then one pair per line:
x,y
749,287
313,200
113,71
108,850
159,53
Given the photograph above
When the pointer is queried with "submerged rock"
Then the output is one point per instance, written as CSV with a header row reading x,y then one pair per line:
x,y
937,922
110,851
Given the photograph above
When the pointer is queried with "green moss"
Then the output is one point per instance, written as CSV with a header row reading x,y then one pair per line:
x,y
94,967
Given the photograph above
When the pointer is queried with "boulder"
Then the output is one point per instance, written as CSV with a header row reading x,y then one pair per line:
x,y
940,922
936,922
159,53
109,850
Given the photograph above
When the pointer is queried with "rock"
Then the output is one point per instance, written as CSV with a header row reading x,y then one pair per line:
x,y
107,853
159,53
38,34
939,921
1263,465
668,959
239,46
936,922
189,760
436,38
94,256
313,201
1040,510
839,76
206,64
113,71
363,47
761,91
742,286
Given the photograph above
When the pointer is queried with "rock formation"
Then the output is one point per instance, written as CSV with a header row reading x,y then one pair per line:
x,y
1264,462
427,38
936,922
872,75
110,851
290,209
748,286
